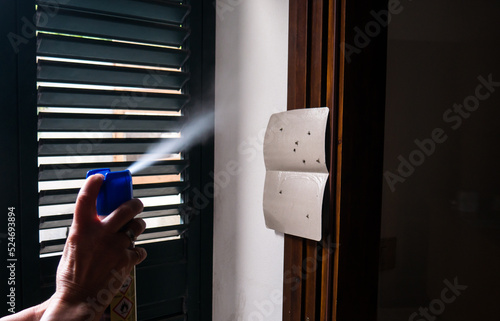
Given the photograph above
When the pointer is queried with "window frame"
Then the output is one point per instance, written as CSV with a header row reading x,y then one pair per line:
x,y
336,278
20,168
21,145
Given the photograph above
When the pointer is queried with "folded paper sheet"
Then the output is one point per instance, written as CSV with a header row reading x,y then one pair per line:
x,y
296,172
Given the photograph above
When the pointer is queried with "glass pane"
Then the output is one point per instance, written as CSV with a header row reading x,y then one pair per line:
x,y
440,253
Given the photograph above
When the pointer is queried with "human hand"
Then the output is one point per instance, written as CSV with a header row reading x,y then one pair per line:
x,y
97,257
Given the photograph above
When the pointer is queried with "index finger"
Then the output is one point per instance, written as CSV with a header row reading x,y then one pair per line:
x,y
123,214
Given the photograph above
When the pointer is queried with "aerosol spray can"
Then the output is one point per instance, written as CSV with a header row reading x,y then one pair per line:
x,y
116,189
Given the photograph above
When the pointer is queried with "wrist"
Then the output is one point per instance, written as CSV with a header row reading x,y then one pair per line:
x,y
31,314
60,309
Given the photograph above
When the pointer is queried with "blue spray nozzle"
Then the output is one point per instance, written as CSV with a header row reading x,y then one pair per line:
x,y
116,189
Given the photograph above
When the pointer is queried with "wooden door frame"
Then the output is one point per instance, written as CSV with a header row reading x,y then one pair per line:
x,y
337,59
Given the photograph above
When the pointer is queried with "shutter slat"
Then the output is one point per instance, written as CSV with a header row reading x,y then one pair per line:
x,y
48,222
160,283
83,23
150,190
160,301
158,253
48,268
158,309
90,49
64,72
78,171
166,210
161,232
52,246
48,122
171,252
150,234
79,147
67,196
63,97
162,11
165,252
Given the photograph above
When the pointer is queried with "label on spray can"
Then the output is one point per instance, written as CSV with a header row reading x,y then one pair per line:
x,y
123,307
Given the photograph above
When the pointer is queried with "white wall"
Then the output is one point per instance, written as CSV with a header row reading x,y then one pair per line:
x,y
251,84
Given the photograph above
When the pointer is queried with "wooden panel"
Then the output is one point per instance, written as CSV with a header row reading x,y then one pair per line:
x,y
297,72
309,58
312,273
337,81
297,63
292,287
330,242
361,116
333,282
315,61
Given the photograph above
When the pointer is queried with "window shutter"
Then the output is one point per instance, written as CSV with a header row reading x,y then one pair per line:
x,y
113,80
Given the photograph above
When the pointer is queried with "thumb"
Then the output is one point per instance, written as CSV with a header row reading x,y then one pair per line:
x,y
85,210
